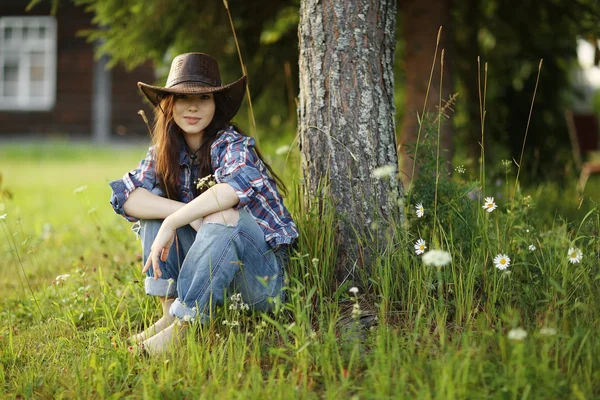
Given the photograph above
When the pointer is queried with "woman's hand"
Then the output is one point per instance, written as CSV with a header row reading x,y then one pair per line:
x,y
160,247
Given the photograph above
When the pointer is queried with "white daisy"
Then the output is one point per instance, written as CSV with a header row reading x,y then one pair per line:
x,y
353,290
420,247
517,334
489,204
420,210
501,261
437,258
575,255
531,247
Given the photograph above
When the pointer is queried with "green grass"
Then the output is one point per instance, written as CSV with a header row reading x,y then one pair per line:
x,y
442,333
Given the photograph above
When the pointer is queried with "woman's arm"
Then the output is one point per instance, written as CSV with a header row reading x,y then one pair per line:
x,y
220,197
143,204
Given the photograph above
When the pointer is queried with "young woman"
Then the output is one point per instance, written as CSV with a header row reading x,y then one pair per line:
x,y
201,241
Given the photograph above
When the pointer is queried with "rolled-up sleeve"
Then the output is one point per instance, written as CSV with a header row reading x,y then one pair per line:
x,y
143,175
239,166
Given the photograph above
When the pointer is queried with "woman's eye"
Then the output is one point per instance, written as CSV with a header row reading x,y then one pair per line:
x,y
205,97
180,96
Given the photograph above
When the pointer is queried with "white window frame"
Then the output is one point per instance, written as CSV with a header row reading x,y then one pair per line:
x,y
22,48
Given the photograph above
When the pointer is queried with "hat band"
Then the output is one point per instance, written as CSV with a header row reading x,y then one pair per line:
x,y
194,79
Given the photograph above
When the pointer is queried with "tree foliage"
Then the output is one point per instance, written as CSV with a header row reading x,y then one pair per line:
x,y
511,36
134,32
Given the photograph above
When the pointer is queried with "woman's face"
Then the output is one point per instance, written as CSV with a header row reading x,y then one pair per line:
x,y
193,113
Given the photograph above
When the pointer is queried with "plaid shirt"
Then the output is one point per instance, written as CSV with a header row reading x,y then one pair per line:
x,y
234,162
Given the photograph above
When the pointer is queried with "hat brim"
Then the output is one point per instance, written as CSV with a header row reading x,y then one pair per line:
x,y
233,93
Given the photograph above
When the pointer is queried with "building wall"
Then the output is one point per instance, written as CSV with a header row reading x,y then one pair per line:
x,y
72,113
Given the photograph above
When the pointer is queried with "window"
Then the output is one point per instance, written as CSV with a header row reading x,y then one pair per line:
x,y
27,63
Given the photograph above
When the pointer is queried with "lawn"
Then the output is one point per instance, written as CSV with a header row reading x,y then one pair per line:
x,y
465,329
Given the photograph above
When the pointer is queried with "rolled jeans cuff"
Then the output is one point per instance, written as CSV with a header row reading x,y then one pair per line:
x,y
188,314
161,287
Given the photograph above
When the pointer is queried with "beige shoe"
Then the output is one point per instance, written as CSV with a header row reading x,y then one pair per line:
x,y
166,320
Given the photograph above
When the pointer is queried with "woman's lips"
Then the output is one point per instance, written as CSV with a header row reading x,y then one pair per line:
x,y
192,120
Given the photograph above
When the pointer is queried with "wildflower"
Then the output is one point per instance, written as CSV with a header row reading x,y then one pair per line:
x,y
187,318
517,334
420,247
460,169
353,290
3,216
61,278
282,150
575,255
420,210
80,189
384,171
474,194
437,258
547,331
356,311
501,261
489,204
531,247
206,181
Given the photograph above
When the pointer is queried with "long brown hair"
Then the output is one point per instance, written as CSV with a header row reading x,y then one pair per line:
x,y
167,139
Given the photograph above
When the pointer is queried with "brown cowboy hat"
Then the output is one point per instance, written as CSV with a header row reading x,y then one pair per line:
x,y
198,73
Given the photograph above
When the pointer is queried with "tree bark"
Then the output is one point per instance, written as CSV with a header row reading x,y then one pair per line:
x,y
421,23
346,117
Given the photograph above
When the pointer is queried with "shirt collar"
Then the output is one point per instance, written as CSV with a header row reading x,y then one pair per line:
x,y
184,159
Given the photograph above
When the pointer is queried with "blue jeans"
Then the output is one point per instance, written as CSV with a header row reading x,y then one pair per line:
x,y
204,266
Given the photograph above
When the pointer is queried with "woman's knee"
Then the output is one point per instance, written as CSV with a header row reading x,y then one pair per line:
x,y
229,217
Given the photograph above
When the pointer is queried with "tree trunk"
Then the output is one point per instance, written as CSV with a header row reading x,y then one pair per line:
x,y
421,23
346,116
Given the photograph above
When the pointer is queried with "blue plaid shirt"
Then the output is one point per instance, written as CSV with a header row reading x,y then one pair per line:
x,y
234,162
